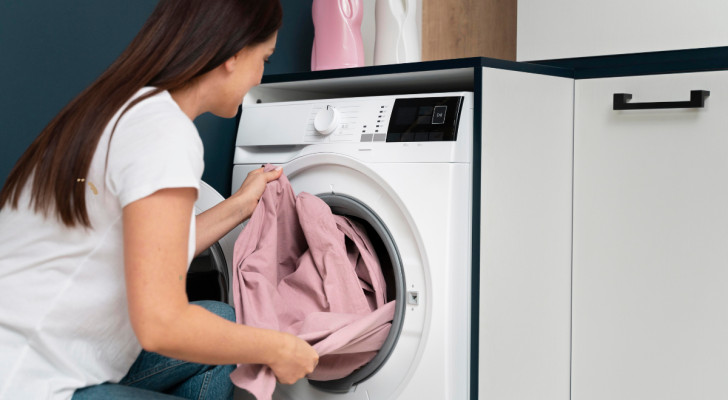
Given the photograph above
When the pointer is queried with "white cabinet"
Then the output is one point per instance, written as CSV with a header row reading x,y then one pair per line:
x,y
580,28
650,261
525,234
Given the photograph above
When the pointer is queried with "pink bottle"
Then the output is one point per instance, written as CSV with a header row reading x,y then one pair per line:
x,y
337,34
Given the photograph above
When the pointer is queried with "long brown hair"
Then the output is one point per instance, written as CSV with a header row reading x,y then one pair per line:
x,y
181,40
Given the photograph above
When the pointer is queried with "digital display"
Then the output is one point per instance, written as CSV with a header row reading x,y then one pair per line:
x,y
426,110
424,119
405,115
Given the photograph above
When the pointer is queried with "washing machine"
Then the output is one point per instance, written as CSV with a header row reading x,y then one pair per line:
x,y
402,166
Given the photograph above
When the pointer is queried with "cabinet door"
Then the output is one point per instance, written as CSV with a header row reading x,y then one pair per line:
x,y
581,28
650,266
525,236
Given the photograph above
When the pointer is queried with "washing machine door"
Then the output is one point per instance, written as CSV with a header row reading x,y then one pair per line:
x,y
355,190
210,273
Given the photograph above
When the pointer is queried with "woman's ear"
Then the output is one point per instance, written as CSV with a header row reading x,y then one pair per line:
x,y
231,62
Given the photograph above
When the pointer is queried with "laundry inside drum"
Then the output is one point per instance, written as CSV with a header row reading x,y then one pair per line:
x,y
391,264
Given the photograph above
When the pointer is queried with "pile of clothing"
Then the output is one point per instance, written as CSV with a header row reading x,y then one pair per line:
x,y
300,269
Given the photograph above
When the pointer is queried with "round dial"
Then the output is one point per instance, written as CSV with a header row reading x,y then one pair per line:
x,y
326,120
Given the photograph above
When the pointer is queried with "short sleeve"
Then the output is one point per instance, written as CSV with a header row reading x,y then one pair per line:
x,y
155,146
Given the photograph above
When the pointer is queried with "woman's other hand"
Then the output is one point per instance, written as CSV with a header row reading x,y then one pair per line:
x,y
295,360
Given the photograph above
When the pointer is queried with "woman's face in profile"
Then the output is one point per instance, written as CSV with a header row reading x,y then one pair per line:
x,y
247,72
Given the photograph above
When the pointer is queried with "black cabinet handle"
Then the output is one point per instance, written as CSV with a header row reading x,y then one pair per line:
x,y
697,100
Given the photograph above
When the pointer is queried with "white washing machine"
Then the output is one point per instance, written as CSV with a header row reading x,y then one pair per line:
x,y
403,165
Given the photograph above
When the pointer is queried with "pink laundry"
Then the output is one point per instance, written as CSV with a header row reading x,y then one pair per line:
x,y
300,269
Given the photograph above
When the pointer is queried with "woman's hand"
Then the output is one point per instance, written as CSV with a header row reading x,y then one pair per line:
x,y
252,189
221,219
295,360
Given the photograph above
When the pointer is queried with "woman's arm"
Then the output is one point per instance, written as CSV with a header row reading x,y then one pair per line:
x,y
156,230
216,222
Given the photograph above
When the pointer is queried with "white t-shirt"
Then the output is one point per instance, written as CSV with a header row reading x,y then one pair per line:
x,y
63,309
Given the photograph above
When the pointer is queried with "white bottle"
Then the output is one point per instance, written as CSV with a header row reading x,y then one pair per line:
x,y
397,37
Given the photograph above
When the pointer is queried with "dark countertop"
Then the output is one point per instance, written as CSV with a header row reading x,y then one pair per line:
x,y
662,62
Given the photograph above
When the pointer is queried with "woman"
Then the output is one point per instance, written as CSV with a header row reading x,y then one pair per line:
x,y
97,226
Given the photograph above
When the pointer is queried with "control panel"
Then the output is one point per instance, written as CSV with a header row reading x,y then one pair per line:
x,y
349,120
428,119
409,118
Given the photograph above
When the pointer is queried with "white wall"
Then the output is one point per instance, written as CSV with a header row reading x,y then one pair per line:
x,y
582,28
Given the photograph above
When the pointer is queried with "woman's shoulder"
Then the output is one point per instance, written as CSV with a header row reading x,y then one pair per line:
x,y
156,124
158,106
155,145
158,115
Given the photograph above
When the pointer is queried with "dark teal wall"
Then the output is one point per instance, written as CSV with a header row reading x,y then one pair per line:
x,y
51,50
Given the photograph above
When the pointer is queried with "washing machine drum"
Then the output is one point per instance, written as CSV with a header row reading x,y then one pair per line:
x,y
391,264
210,274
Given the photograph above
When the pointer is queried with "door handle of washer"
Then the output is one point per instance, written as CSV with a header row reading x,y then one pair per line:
x,y
697,100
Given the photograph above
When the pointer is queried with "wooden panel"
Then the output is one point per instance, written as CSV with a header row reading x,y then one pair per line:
x,y
468,28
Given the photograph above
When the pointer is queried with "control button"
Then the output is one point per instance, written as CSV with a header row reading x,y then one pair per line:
x,y
367,137
422,136
438,116
326,120
408,137
380,137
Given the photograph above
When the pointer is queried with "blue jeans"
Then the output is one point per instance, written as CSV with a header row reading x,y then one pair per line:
x,y
153,376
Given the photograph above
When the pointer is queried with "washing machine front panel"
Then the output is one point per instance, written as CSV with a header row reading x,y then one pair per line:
x,y
422,193
339,175
432,344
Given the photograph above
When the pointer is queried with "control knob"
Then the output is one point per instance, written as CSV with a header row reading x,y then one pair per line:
x,y
326,121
